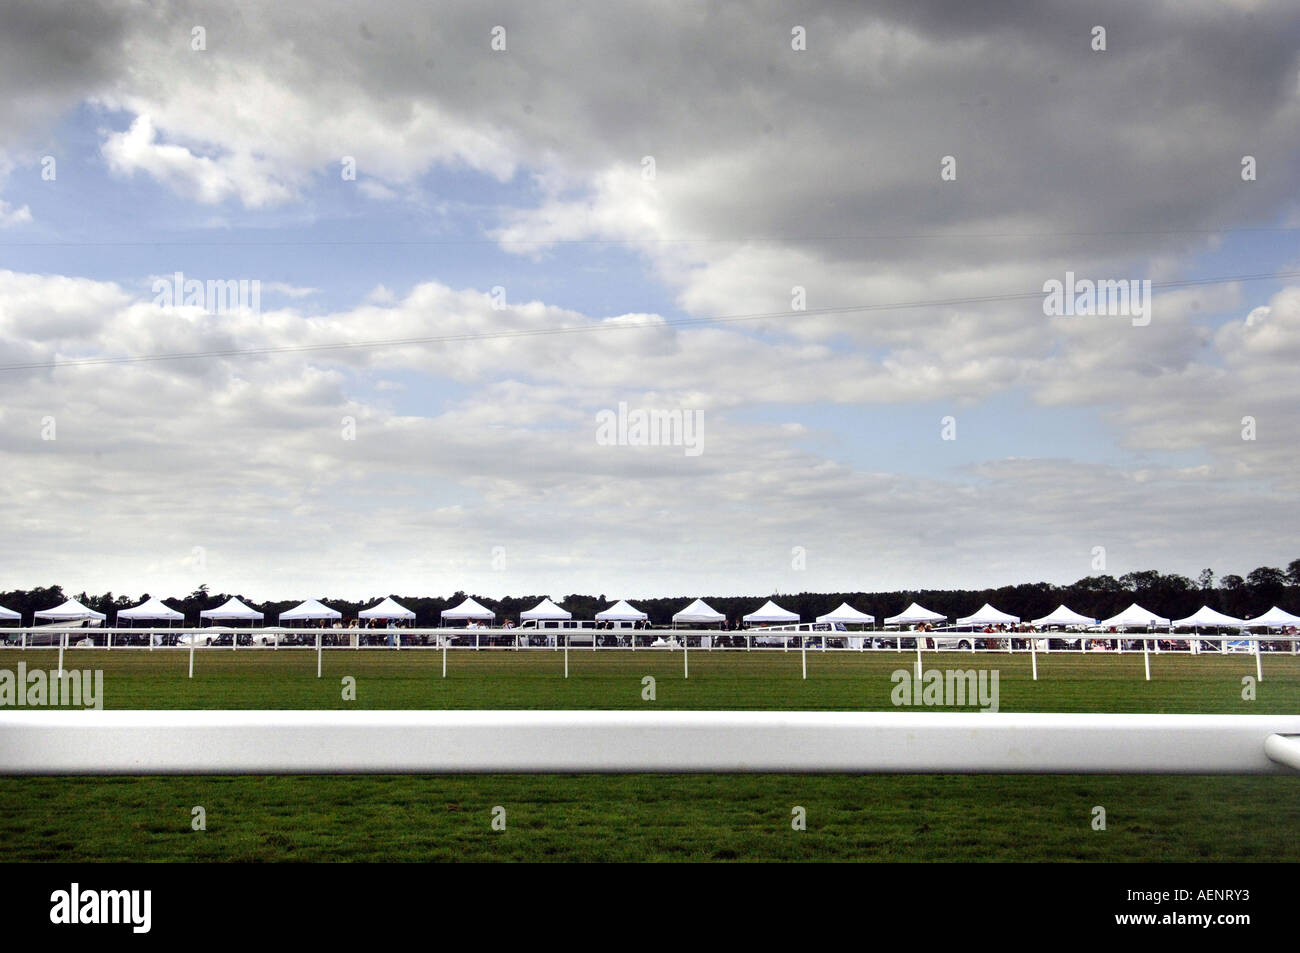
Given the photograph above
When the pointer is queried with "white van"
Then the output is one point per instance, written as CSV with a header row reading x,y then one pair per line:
x,y
787,631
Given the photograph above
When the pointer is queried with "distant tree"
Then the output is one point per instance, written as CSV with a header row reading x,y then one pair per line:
x,y
1232,582
1206,579
1138,581
1266,583
1293,572
1098,584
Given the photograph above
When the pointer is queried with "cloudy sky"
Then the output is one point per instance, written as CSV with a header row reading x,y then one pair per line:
x,y
832,256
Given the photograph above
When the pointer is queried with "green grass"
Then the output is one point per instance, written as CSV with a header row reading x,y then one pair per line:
x,y
718,680
656,817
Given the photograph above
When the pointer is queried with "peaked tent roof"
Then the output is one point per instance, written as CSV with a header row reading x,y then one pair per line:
x,y
915,613
987,615
9,613
621,611
1275,616
233,609
771,612
846,613
546,609
699,611
72,609
1135,615
1064,615
311,609
151,608
387,608
1207,616
469,609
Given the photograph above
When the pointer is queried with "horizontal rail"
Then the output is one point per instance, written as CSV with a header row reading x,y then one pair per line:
x,y
446,742
1259,634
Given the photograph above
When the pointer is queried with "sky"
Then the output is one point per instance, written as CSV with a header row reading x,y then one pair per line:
x,y
822,233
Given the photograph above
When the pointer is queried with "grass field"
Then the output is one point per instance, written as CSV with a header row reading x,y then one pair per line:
x,y
653,817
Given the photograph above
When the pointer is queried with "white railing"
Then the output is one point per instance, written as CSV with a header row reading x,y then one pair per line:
x,y
442,638
439,742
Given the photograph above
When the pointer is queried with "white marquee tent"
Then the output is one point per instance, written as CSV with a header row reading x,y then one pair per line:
x,y
10,614
699,612
546,610
151,609
233,609
1064,615
387,608
915,614
1205,617
311,609
470,609
70,611
1135,616
1275,618
621,611
771,612
987,615
848,615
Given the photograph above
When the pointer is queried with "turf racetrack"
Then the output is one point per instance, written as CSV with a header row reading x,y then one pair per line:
x,y
653,817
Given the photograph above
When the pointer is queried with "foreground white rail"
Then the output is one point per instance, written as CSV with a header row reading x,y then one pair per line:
x,y
441,742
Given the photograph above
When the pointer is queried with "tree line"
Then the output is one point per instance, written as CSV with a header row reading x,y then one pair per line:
x,y
1167,594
